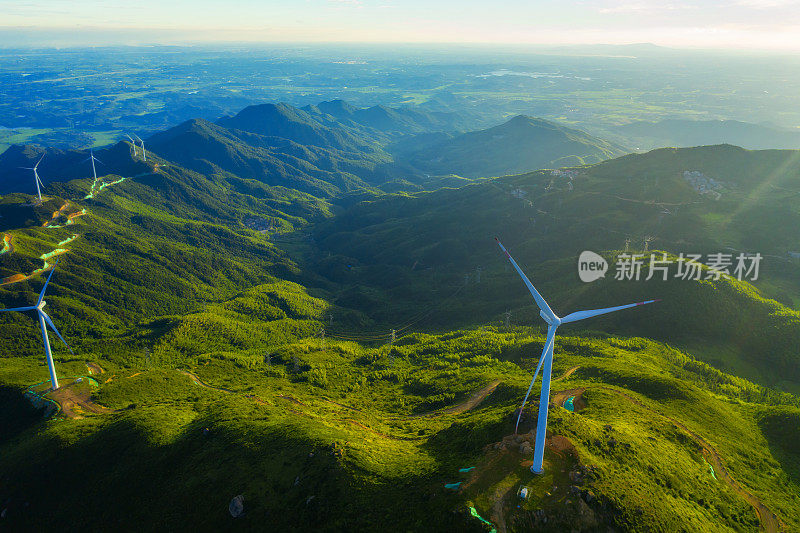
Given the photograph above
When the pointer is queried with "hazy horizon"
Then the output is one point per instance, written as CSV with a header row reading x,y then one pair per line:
x,y
711,24
43,39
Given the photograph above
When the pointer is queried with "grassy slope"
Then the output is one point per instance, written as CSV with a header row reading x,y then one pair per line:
x,y
154,459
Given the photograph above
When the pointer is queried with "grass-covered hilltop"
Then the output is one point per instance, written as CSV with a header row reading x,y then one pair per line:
x,y
307,308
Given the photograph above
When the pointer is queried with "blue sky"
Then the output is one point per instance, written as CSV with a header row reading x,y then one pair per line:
x,y
767,24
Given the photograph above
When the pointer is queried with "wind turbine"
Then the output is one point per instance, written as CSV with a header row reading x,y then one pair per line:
x,y
144,152
36,178
92,158
135,153
553,322
45,320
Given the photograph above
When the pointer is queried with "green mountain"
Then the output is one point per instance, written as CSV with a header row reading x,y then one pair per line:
x,y
522,144
324,150
208,148
548,218
281,120
338,361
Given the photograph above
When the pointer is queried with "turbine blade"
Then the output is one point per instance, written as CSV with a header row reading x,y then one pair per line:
x,y
548,313
580,315
55,330
18,309
41,294
39,161
547,351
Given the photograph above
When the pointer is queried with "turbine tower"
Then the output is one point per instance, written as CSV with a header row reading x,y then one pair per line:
x,y
135,153
553,322
44,321
92,158
36,178
144,152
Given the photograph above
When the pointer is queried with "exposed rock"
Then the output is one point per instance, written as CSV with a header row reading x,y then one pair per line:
x,y
236,506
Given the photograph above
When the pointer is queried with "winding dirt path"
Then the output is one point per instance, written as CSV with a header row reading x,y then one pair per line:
x,y
56,214
203,384
769,520
47,256
467,405
566,374
342,405
470,403
8,246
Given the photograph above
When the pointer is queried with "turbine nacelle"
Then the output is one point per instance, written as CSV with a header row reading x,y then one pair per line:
x,y
555,321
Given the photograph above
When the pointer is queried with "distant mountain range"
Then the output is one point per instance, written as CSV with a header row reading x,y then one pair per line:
x,y
333,148
684,133
391,120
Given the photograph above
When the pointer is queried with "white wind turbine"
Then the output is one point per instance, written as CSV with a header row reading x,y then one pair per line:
x,y
553,322
144,152
135,153
92,158
45,320
36,178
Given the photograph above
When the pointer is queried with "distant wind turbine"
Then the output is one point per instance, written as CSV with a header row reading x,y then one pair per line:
x,y
553,322
135,153
36,178
44,321
144,152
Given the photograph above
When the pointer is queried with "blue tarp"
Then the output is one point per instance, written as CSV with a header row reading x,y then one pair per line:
x,y
568,404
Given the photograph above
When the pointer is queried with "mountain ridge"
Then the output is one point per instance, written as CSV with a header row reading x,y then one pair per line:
x,y
520,144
